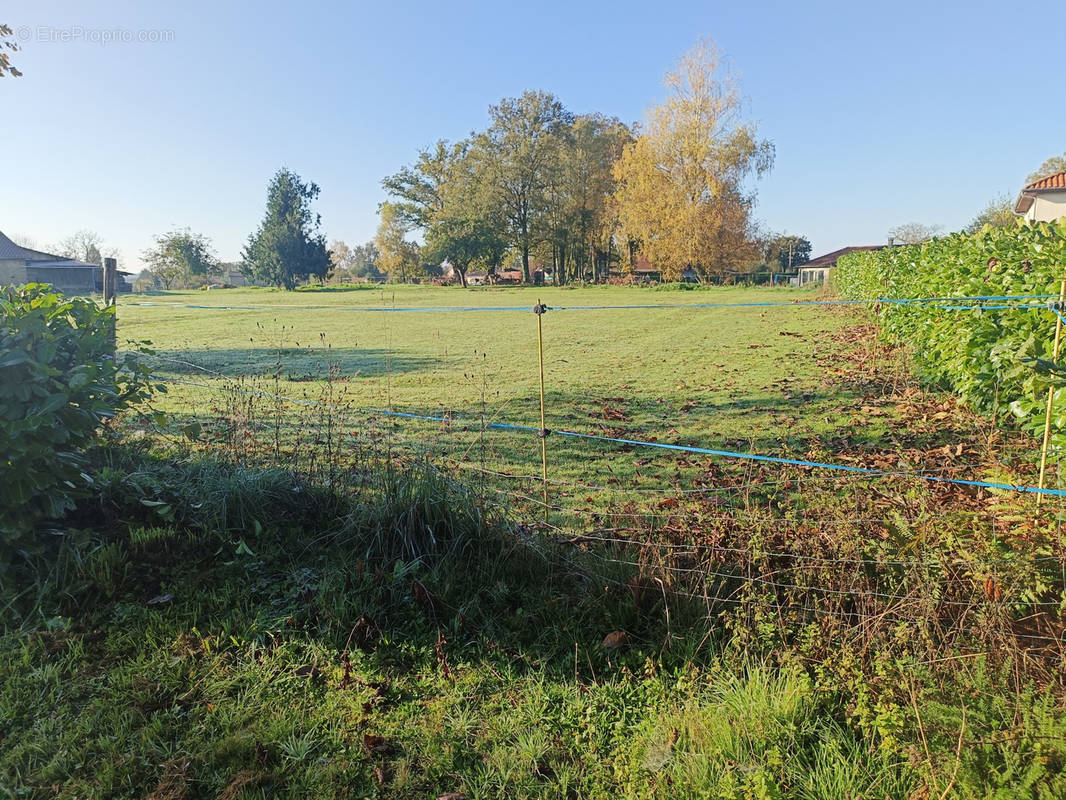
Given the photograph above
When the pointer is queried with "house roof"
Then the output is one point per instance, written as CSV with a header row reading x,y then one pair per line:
x,y
830,259
10,250
1056,181
1049,183
641,266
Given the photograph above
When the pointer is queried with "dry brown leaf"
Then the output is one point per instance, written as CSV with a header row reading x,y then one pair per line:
x,y
615,639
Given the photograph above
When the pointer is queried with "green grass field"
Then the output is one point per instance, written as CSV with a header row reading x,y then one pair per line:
x,y
309,601
776,380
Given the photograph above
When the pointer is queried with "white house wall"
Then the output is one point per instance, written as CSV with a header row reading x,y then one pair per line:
x,y
1047,207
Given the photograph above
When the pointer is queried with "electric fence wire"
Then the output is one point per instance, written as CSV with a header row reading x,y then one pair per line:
x,y
956,304
726,454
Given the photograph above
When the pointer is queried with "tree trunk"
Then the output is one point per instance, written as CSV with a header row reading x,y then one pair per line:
x,y
525,263
462,275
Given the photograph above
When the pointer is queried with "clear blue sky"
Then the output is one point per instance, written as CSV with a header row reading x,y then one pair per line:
x,y
881,113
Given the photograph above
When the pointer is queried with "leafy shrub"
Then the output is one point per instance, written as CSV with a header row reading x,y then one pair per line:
x,y
59,381
995,359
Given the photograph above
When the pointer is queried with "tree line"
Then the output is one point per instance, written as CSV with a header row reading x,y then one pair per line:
x,y
580,193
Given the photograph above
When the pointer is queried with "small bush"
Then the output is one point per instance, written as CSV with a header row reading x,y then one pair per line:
x,y
59,381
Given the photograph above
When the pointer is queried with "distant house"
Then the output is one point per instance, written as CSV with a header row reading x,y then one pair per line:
x,y
643,271
1043,200
817,270
231,275
20,265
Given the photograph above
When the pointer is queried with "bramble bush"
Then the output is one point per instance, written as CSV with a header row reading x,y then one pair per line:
x,y
992,359
59,382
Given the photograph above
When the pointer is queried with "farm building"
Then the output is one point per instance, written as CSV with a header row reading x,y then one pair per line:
x,y
817,270
19,265
1043,200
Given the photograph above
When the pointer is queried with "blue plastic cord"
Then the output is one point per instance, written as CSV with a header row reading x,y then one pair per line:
x,y
662,446
919,301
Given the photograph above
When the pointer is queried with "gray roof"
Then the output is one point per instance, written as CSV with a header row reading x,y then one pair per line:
x,y
10,250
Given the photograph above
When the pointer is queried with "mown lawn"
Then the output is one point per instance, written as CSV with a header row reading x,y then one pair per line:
x,y
758,378
763,379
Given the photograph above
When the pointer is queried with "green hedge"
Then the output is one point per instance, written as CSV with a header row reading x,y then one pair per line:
x,y
59,381
973,353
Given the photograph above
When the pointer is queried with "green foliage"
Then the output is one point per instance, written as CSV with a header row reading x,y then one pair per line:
x,y
287,247
397,256
989,358
353,263
536,181
784,252
7,46
999,213
464,240
180,256
1049,167
59,382
408,647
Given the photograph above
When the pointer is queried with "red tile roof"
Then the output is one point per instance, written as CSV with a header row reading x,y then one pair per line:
x,y
1056,181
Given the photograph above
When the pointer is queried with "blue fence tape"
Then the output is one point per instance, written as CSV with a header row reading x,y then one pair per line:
x,y
980,304
731,454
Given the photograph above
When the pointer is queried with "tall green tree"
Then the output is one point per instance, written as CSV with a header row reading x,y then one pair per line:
x,y
419,189
517,154
464,240
785,252
446,195
581,219
287,247
179,256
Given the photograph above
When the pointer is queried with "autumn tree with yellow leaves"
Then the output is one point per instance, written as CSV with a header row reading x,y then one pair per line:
x,y
681,193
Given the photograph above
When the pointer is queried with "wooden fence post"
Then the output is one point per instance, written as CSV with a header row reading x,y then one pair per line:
x,y
110,281
110,291
540,309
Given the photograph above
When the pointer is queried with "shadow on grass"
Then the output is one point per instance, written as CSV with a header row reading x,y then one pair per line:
x,y
297,364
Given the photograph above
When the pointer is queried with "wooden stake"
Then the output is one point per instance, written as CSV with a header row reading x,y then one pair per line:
x,y
1051,391
540,309
110,287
